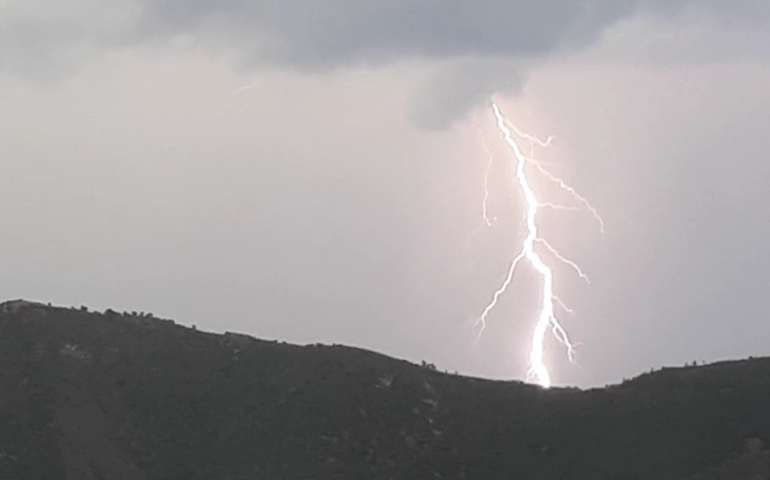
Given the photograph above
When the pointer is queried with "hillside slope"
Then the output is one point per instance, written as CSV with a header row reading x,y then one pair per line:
x,y
110,396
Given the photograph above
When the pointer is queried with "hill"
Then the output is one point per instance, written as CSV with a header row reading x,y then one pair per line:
x,y
110,396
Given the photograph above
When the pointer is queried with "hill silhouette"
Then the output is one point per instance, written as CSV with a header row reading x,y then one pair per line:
x,y
111,396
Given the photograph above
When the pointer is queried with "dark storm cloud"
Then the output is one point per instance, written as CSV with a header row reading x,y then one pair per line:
x,y
312,34
454,90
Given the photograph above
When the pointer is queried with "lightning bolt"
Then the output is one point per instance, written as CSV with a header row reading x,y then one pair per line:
x,y
547,319
485,200
486,221
234,95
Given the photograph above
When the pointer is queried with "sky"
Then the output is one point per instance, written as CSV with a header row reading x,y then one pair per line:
x,y
314,171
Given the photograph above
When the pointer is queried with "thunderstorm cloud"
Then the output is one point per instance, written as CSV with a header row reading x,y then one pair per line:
x,y
488,44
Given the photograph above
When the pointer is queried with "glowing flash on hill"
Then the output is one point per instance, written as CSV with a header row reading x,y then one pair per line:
x,y
547,319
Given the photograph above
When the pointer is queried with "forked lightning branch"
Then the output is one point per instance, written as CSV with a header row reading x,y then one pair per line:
x,y
547,319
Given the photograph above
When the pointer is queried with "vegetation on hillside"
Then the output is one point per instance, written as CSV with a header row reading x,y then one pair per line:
x,y
127,396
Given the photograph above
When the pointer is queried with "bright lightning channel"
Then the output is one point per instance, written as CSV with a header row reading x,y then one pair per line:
x,y
547,319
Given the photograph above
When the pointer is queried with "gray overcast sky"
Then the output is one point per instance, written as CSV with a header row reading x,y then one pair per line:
x,y
338,198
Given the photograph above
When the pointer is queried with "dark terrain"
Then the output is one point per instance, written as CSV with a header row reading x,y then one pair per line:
x,y
124,396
